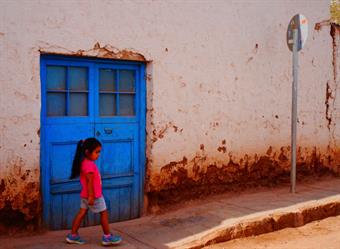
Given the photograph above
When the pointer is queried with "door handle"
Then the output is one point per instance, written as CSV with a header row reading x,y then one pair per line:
x,y
108,130
97,133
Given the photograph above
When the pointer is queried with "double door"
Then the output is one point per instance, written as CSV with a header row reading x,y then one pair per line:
x,y
92,98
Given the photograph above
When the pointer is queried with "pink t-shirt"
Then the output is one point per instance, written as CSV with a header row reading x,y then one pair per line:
x,y
88,166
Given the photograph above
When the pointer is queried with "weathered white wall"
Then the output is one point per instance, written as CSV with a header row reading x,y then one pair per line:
x,y
217,70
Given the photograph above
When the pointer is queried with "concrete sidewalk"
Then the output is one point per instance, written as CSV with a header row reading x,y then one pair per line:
x,y
215,219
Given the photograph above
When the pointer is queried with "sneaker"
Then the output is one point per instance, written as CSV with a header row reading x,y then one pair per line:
x,y
74,239
111,240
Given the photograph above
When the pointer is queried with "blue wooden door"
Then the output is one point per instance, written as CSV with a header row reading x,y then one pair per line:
x,y
92,98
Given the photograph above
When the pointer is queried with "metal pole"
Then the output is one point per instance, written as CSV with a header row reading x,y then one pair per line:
x,y
294,111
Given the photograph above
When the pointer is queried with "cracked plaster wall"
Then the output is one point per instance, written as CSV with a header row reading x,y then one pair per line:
x,y
335,90
218,87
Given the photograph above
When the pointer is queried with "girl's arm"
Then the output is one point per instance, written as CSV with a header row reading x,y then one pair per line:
x,y
90,189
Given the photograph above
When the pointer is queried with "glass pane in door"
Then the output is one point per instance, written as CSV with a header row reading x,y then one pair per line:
x,y
56,78
107,80
127,104
56,104
78,104
107,104
78,78
126,81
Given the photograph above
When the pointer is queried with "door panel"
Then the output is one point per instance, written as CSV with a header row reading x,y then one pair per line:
x,y
118,131
119,148
64,193
117,157
119,203
56,205
61,154
119,166
70,207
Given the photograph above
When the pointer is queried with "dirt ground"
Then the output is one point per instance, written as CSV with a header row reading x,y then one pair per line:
x,y
324,234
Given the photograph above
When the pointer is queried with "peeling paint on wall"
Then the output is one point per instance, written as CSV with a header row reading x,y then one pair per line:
x,y
20,202
332,85
327,103
202,175
328,114
106,52
335,34
161,131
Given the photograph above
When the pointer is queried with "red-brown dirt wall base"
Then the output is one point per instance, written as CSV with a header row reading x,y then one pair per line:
x,y
20,199
178,182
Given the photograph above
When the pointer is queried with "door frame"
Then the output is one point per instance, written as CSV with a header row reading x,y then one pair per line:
x,y
44,121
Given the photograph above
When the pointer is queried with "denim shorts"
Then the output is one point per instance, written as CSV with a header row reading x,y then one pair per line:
x,y
99,205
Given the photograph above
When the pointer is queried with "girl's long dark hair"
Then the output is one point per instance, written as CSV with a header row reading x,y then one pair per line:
x,y
90,144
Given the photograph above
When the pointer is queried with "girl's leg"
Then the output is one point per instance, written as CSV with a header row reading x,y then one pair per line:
x,y
108,238
104,220
77,220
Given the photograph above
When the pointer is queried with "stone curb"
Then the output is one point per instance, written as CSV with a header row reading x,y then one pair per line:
x,y
268,221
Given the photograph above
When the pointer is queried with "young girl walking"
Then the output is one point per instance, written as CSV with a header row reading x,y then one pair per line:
x,y
91,195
